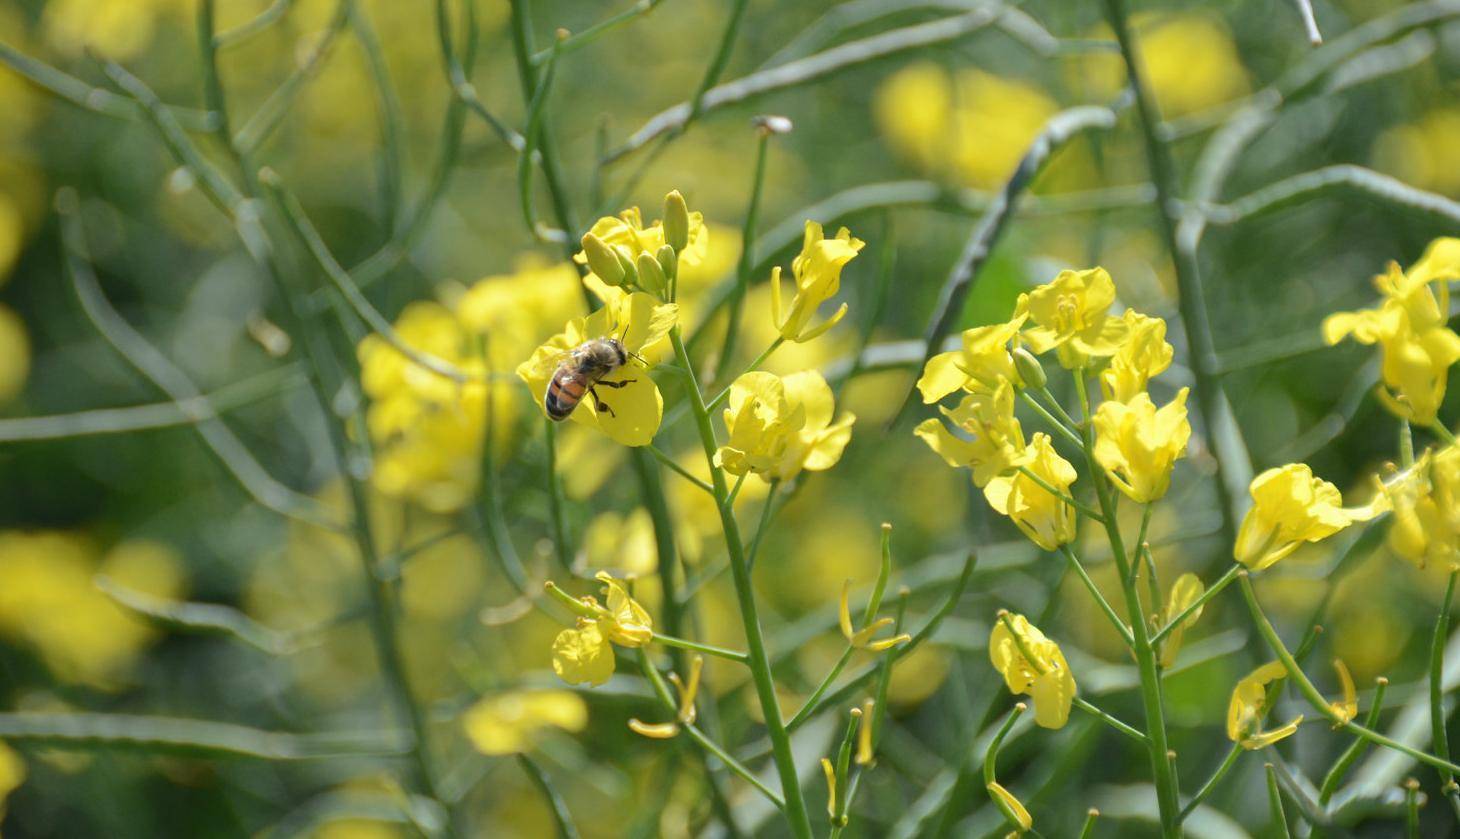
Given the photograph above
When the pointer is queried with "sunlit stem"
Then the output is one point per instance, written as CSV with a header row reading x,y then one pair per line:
x,y
1176,620
1406,445
707,649
1443,433
1275,805
1355,749
1120,627
991,757
1054,423
1441,739
668,461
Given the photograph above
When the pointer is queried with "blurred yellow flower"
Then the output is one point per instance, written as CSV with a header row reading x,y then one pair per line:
x,y
1423,152
818,272
14,355
1190,62
12,233
1033,664
1071,315
622,543
781,425
1045,518
638,320
974,125
1426,510
1144,355
585,653
1416,345
1289,507
1185,591
12,774
1244,712
118,29
995,443
1138,445
984,361
509,723
510,311
50,602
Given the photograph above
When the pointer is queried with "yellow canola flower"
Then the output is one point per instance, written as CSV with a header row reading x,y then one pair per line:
x,y
627,231
817,271
638,319
984,361
995,444
1190,59
1185,591
1033,664
1010,805
623,543
862,638
1423,152
509,723
1289,507
1416,347
1426,510
585,653
1144,355
781,425
973,125
12,774
118,29
1071,314
1045,518
1244,712
1138,444
14,355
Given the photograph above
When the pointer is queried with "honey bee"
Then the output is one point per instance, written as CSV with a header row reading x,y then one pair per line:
x,y
580,371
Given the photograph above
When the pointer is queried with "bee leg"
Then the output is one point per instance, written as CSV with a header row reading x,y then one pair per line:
x,y
599,405
616,385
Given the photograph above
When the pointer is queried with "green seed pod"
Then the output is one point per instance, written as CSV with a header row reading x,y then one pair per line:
x,y
676,221
603,260
1029,368
651,276
668,260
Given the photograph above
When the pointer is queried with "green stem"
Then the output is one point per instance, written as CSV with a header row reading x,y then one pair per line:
x,y
760,529
1221,583
1054,423
1355,749
1063,496
811,702
1115,621
1441,739
742,270
754,365
1275,806
991,757
1210,786
556,524
561,817
1406,445
1143,552
1443,433
707,649
668,461
760,666
1111,721
1321,705
578,40
1161,770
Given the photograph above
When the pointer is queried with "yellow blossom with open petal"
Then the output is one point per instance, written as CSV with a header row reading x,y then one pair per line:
x,y
638,320
1245,711
582,655
1138,445
1048,520
995,444
1289,507
1071,314
509,723
585,653
781,425
817,271
1416,346
1033,664
628,231
1426,509
1185,591
1144,355
984,361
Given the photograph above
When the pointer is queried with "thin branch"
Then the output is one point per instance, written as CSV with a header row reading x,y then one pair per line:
x,y
1365,183
270,114
94,99
258,23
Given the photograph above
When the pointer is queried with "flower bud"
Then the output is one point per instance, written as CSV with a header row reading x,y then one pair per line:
x,y
651,276
626,265
1029,368
668,260
676,221
602,260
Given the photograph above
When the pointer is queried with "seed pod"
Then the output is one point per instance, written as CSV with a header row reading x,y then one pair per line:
x,y
676,221
603,260
1029,368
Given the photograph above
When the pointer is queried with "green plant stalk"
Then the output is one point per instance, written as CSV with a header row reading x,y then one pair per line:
x,y
1443,433
990,758
1089,828
760,529
556,524
1275,806
1115,621
1441,739
1221,583
751,367
1143,554
1310,692
742,269
811,702
659,455
707,649
1161,770
760,666
578,40
1406,445
1411,809
1062,496
1211,785
1057,425
561,817
1355,749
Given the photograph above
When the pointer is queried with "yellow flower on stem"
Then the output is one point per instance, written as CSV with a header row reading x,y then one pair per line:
x,y
508,723
1245,711
1144,355
638,320
585,653
781,425
1416,346
1071,315
1289,507
818,273
995,444
984,361
1185,591
1047,519
1426,505
862,638
613,246
1033,664
1138,445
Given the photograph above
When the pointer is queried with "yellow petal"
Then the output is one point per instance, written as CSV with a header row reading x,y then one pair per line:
x,y
941,376
1348,707
1010,805
583,655
1267,738
655,730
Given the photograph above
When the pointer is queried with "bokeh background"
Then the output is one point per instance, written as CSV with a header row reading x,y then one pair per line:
x,y
92,522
